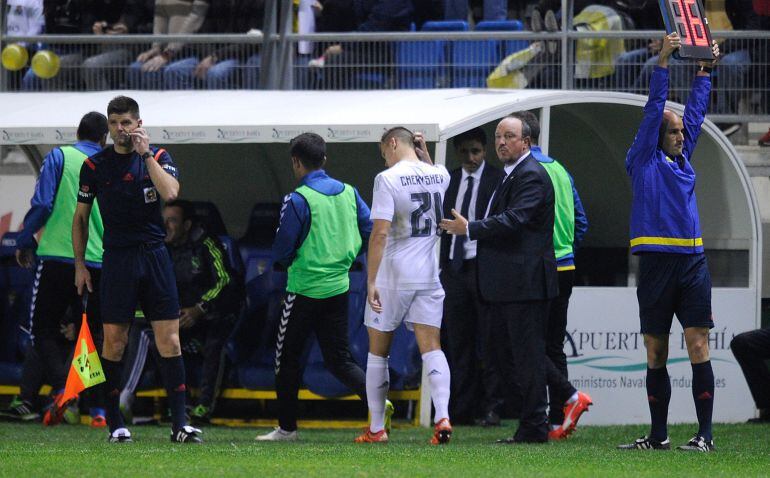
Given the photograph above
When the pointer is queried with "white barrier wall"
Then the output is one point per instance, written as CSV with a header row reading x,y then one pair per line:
x,y
606,357
15,192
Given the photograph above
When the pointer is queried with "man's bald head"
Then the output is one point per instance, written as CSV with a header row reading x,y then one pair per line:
x,y
671,134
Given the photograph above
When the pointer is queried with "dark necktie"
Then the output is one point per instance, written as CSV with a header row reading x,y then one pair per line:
x,y
458,252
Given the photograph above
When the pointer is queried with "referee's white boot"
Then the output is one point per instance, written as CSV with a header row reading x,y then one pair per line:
x,y
279,434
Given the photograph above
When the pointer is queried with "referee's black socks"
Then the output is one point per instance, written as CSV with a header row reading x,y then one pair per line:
x,y
173,376
703,394
113,371
658,397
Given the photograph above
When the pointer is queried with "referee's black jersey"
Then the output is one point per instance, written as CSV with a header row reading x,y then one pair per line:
x,y
128,200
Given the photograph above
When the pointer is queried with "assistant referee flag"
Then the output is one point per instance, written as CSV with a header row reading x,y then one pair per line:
x,y
86,369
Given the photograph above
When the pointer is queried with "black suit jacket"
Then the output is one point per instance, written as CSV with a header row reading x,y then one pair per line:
x,y
515,242
491,177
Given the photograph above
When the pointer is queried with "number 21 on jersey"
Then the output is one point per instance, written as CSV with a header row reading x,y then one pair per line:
x,y
422,224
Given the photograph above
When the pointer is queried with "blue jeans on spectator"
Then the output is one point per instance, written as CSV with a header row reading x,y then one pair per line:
x,y
223,75
251,72
732,73
627,68
458,10
67,79
177,75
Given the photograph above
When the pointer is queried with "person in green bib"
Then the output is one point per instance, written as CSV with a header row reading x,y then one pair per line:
x,y
52,209
566,403
324,224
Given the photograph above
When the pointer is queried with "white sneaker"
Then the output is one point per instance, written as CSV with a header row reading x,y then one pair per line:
x,y
278,434
121,435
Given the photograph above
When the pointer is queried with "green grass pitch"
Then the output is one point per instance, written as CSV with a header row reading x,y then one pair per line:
x,y
31,450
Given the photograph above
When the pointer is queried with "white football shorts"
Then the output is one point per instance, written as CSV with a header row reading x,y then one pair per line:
x,y
411,306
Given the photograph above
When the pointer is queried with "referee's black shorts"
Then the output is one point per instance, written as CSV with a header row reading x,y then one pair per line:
x,y
141,275
673,284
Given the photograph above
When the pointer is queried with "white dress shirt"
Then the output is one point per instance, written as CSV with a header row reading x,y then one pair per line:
x,y
469,247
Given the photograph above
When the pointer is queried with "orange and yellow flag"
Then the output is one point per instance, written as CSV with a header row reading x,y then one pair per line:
x,y
86,369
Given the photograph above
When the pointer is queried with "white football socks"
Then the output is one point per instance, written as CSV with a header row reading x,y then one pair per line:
x,y
438,375
377,386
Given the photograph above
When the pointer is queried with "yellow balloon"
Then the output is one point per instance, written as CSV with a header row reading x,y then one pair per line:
x,y
45,64
14,57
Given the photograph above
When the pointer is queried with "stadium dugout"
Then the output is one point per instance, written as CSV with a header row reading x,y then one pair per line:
x,y
231,149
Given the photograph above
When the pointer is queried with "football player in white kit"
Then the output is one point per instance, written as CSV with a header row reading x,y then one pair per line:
x,y
403,275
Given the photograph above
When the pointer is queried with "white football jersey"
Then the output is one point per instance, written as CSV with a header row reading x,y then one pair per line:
x,y
410,195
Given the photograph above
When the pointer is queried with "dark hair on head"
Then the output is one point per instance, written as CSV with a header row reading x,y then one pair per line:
x,y
188,210
401,134
526,131
92,127
310,149
122,105
531,120
475,134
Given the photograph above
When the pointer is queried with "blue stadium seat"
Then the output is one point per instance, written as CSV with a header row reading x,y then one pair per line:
x,y
423,64
263,223
209,217
472,61
256,261
233,254
255,359
15,298
405,361
509,46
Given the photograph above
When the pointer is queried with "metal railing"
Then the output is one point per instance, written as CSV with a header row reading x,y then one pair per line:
x,y
612,61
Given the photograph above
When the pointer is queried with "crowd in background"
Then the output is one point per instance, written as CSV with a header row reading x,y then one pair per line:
x,y
604,64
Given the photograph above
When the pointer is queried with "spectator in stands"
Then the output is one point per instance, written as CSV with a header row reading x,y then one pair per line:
x,y
105,70
211,296
369,16
169,65
319,254
23,18
735,64
62,17
752,350
220,66
645,16
458,10
53,207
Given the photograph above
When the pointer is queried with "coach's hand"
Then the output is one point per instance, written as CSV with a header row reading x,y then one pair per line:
x,y
373,297
457,226
82,278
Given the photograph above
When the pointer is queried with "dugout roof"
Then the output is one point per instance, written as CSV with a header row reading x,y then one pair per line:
x,y
274,116
589,132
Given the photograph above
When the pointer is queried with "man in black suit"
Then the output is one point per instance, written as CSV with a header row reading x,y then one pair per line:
x,y
517,267
466,323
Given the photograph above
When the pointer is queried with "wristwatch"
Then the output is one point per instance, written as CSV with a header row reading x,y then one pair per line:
x,y
146,155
